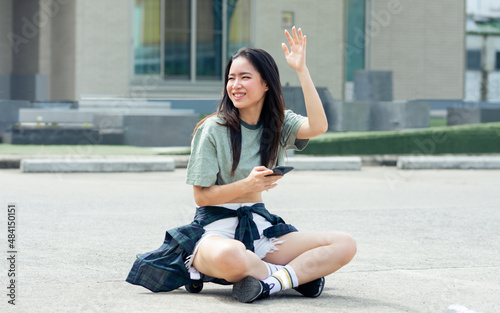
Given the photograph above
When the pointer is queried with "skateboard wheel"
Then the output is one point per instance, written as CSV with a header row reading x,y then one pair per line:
x,y
194,287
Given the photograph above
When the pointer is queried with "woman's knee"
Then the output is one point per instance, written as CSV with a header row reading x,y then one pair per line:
x,y
347,245
228,257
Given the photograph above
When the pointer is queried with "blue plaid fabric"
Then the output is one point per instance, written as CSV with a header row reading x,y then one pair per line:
x,y
163,269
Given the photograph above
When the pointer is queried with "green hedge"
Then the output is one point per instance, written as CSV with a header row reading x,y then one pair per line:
x,y
472,138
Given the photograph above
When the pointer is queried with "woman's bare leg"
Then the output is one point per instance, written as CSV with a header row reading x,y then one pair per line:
x,y
228,259
313,254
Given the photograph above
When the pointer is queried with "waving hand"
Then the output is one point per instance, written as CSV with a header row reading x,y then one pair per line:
x,y
296,56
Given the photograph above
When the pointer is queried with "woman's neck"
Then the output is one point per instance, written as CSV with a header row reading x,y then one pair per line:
x,y
251,116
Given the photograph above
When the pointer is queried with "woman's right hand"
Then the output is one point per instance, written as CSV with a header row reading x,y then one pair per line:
x,y
242,191
258,182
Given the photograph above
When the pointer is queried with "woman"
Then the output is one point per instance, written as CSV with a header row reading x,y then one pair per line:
x,y
234,237
253,99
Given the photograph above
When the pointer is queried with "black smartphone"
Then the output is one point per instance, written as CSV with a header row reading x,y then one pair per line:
x,y
281,170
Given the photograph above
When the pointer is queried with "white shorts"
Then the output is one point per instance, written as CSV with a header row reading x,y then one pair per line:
x,y
225,228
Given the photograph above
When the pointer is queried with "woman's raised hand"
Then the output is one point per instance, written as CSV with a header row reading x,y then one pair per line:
x,y
296,56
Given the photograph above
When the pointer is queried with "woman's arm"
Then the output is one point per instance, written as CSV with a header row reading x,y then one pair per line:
x,y
256,182
218,194
316,123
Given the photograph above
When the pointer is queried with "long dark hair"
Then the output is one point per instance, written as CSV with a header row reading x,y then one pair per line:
x,y
273,110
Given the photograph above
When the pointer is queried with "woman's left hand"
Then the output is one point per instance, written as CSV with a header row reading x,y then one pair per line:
x,y
296,56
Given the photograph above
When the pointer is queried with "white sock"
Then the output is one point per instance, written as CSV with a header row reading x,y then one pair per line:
x,y
272,268
283,279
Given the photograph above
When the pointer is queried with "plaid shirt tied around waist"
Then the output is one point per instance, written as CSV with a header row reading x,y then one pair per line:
x,y
163,269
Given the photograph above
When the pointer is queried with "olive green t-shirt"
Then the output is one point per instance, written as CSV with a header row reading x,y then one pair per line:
x,y
211,157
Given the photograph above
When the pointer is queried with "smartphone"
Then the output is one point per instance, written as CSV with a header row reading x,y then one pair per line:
x,y
281,170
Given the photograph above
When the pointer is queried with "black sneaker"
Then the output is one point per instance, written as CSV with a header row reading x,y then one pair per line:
x,y
250,289
312,289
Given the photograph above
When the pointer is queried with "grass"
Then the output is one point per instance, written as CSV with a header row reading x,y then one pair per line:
x,y
472,138
437,122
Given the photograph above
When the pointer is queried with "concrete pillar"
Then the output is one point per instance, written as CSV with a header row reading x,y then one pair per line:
x,y
63,56
27,83
5,48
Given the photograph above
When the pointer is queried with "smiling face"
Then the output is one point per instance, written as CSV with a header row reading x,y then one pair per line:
x,y
245,87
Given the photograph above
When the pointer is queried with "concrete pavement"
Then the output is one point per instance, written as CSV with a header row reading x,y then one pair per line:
x,y
426,239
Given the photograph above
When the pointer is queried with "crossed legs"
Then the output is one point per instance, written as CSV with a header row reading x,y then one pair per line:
x,y
311,254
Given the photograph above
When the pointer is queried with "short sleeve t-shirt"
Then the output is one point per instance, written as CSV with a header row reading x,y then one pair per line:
x,y
211,157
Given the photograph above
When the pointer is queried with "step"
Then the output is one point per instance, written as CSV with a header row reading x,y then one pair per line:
x,y
97,165
325,163
448,162
136,111
86,115
123,104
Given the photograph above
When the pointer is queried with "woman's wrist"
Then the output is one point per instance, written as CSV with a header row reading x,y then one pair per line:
x,y
303,73
244,185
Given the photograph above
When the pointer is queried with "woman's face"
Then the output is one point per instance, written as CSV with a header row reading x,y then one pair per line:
x,y
245,86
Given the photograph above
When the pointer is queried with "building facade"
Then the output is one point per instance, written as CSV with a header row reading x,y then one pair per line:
x,y
66,49
483,59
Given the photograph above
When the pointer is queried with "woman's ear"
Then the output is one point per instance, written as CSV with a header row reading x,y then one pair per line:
x,y
266,87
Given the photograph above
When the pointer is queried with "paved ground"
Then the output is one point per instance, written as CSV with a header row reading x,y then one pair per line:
x,y
426,239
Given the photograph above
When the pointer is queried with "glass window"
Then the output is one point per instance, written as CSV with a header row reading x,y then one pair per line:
x,y
147,37
355,37
239,32
209,39
163,40
177,39
497,60
473,59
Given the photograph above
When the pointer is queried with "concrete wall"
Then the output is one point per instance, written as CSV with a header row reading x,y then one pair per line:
x,y
88,50
102,47
63,45
5,48
158,131
323,22
9,113
423,43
